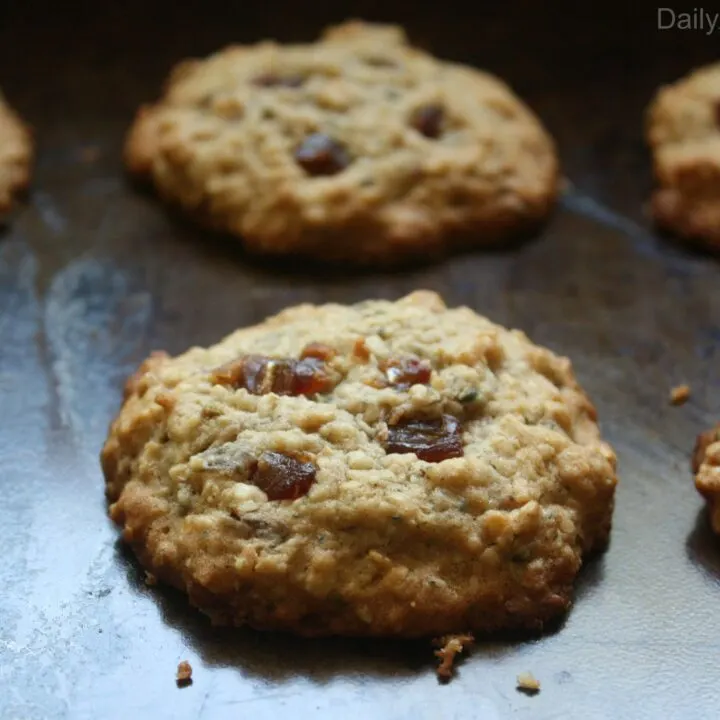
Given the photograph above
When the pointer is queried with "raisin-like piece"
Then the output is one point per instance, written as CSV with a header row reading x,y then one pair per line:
x,y
318,351
405,372
428,120
274,80
319,154
431,440
360,350
282,476
284,376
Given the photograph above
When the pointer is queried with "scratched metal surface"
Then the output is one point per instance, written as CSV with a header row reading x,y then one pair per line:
x,y
93,276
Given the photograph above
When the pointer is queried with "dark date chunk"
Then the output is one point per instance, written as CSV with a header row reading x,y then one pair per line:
x,y
430,440
282,476
318,351
274,80
405,372
319,154
428,120
284,376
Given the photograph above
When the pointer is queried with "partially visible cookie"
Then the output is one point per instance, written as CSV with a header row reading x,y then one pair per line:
x,y
358,148
706,466
683,128
384,468
15,155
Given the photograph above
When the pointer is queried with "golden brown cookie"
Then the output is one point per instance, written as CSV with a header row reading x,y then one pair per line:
x,y
15,156
706,466
357,148
683,129
385,468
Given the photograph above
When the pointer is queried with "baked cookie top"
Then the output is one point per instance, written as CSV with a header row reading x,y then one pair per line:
x,y
706,466
15,155
358,147
683,128
381,468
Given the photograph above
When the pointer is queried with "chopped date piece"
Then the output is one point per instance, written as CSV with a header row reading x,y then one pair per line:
x,y
428,120
405,372
360,349
284,376
283,477
274,80
430,440
319,154
318,351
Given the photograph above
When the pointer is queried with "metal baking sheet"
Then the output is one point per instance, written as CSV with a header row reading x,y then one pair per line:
x,y
94,275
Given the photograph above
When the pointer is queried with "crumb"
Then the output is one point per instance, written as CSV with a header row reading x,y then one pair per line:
x,y
450,646
150,579
184,674
679,395
528,683
89,154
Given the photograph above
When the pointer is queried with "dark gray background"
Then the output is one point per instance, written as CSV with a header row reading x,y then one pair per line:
x,y
94,275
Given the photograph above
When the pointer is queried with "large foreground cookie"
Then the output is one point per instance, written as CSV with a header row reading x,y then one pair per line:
x,y
684,135
15,156
359,148
706,466
395,469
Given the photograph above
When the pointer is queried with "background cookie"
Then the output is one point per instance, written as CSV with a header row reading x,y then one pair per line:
x,y
358,147
15,155
684,135
396,469
706,466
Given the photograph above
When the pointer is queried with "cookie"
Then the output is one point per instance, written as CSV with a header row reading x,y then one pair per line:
x,y
683,128
706,467
385,468
358,148
15,156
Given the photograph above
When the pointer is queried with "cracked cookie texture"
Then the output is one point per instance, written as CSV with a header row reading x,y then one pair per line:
x,y
358,148
683,130
384,468
15,156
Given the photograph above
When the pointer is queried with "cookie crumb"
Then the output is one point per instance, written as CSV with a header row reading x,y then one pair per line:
x,y
528,683
150,579
679,395
184,674
449,646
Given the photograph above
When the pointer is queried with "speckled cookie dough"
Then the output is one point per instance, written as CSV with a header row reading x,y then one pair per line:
x,y
358,148
15,156
684,135
384,468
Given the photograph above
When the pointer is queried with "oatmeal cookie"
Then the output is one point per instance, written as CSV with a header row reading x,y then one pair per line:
x,y
357,148
384,468
683,131
15,156
706,467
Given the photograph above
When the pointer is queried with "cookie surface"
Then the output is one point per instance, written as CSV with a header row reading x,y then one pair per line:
x,y
399,468
683,128
15,155
358,148
706,466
